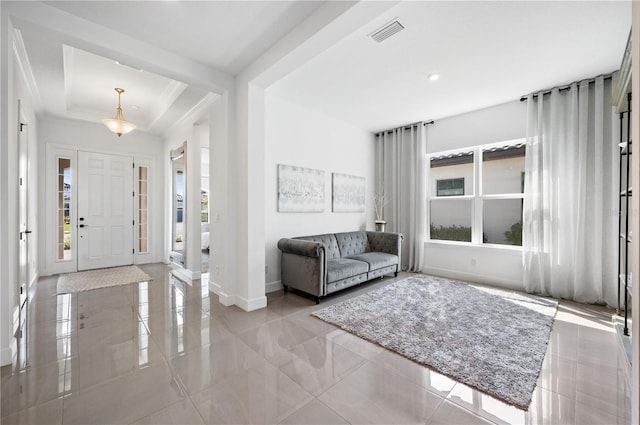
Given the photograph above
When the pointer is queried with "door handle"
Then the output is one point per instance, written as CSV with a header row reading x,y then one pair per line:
x,y
81,225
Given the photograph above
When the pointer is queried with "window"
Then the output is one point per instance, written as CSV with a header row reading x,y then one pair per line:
x,y
204,206
143,209
64,209
450,187
477,194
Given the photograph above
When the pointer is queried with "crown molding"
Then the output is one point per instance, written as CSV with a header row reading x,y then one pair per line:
x,y
194,113
22,60
167,98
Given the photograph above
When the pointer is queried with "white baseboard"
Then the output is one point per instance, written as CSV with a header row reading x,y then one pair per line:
x,y
474,278
5,356
184,274
226,299
252,304
215,287
273,286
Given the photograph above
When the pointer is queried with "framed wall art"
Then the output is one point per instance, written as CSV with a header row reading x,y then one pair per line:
x,y
300,189
348,193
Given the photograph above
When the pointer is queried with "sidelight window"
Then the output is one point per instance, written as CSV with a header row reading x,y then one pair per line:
x,y
143,209
64,209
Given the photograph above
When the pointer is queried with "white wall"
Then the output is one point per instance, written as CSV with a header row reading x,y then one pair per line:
x,y
300,137
493,265
80,135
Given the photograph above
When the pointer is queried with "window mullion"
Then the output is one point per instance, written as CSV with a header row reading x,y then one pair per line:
x,y
476,223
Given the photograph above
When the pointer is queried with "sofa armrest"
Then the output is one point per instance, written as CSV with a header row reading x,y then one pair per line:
x,y
301,247
303,265
388,242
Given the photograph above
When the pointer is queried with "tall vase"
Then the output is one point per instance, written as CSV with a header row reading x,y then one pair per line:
x,y
380,225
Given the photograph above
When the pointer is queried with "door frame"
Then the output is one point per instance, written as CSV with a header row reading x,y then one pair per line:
x,y
48,254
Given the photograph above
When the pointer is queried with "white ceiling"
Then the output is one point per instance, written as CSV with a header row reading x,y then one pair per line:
x,y
486,52
226,35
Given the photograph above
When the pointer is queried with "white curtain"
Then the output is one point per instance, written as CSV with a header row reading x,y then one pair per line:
x,y
570,231
401,156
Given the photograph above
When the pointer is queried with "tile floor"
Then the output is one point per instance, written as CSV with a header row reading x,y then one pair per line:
x,y
166,352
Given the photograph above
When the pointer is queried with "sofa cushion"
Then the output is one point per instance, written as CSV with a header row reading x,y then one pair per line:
x,y
376,260
329,241
352,243
342,268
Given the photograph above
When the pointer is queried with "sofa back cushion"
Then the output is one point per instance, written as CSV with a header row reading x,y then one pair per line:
x,y
329,240
353,243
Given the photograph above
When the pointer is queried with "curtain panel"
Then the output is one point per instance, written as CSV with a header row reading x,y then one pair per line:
x,y
400,172
571,194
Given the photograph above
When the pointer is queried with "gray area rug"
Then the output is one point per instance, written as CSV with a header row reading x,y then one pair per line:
x,y
489,339
100,278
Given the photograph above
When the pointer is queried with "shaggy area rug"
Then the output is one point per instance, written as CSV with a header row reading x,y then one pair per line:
x,y
100,278
489,339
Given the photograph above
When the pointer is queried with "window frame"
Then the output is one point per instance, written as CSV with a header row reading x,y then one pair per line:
x,y
449,180
477,195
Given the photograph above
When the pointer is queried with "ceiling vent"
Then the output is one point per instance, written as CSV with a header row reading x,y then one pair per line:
x,y
387,31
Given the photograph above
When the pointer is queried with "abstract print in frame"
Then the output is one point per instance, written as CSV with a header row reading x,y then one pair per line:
x,y
300,189
348,193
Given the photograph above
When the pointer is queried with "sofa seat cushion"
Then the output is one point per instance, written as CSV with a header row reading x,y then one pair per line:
x,y
376,260
342,268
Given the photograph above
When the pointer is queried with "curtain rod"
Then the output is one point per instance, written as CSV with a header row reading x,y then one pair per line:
x,y
408,126
567,86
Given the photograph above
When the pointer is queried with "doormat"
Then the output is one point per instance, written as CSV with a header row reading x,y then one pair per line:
x,y
490,339
100,278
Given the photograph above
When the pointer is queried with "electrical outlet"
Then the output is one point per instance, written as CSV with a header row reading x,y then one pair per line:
x,y
218,270
473,262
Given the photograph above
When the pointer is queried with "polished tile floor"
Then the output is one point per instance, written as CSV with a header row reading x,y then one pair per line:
x,y
166,352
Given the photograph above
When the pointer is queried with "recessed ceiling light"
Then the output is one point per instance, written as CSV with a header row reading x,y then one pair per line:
x,y
134,107
433,77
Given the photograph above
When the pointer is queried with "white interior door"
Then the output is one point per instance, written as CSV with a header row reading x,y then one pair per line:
x,y
23,215
105,210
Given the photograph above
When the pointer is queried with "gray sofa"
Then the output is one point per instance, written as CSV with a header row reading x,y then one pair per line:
x,y
322,264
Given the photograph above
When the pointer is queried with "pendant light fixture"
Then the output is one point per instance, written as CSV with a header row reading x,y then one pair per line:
x,y
118,125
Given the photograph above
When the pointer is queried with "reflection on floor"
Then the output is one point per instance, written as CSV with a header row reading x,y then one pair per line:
x,y
204,267
167,352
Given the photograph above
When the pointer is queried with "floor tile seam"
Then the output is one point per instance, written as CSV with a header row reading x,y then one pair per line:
x,y
596,364
310,401
391,369
605,410
91,387
577,405
319,392
440,404
278,419
349,373
476,414
185,389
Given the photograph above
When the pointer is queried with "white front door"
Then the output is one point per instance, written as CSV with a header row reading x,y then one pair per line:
x,y
105,210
